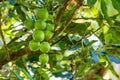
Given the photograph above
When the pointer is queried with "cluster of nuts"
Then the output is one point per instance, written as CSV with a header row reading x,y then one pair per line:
x,y
42,32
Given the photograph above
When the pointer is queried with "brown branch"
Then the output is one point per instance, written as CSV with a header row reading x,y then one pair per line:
x,y
61,13
15,55
2,36
1,0
98,70
68,21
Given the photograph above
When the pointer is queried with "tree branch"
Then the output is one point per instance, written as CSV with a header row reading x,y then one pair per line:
x,y
67,22
15,55
61,13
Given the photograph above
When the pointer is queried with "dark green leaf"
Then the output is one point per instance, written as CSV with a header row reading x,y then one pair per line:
x,y
16,46
91,42
20,13
104,11
104,8
114,59
79,28
12,2
94,56
75,48
91,2
115,35
86,41
116,45
116,5
63,75
20,33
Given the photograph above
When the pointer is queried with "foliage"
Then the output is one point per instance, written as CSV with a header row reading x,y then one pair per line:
x,y
71,52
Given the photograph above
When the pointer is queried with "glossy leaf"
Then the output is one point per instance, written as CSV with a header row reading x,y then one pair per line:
x,y
94,56
91,2
114,59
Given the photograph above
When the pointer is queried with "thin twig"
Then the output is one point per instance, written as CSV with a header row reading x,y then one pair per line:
x,y
13,40
72,65
61,13
59,31
2,36
82,39
93,18
59,40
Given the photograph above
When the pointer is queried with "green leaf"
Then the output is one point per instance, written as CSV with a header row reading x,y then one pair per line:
x,y
17,75
92,42
63,75
80,69
79,28
108,37
104,11
20,13
114,59
11,2
83,69
104,8
91,2
26,74
112,69
94,56
75,48
16,46
116,5
20,33
43,73
115,35
116,45
86,41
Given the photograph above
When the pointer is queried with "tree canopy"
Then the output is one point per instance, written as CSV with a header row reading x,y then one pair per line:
x,y
70,39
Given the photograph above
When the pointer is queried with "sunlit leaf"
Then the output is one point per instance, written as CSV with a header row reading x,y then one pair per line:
x,y
108,37
104,11
116,5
